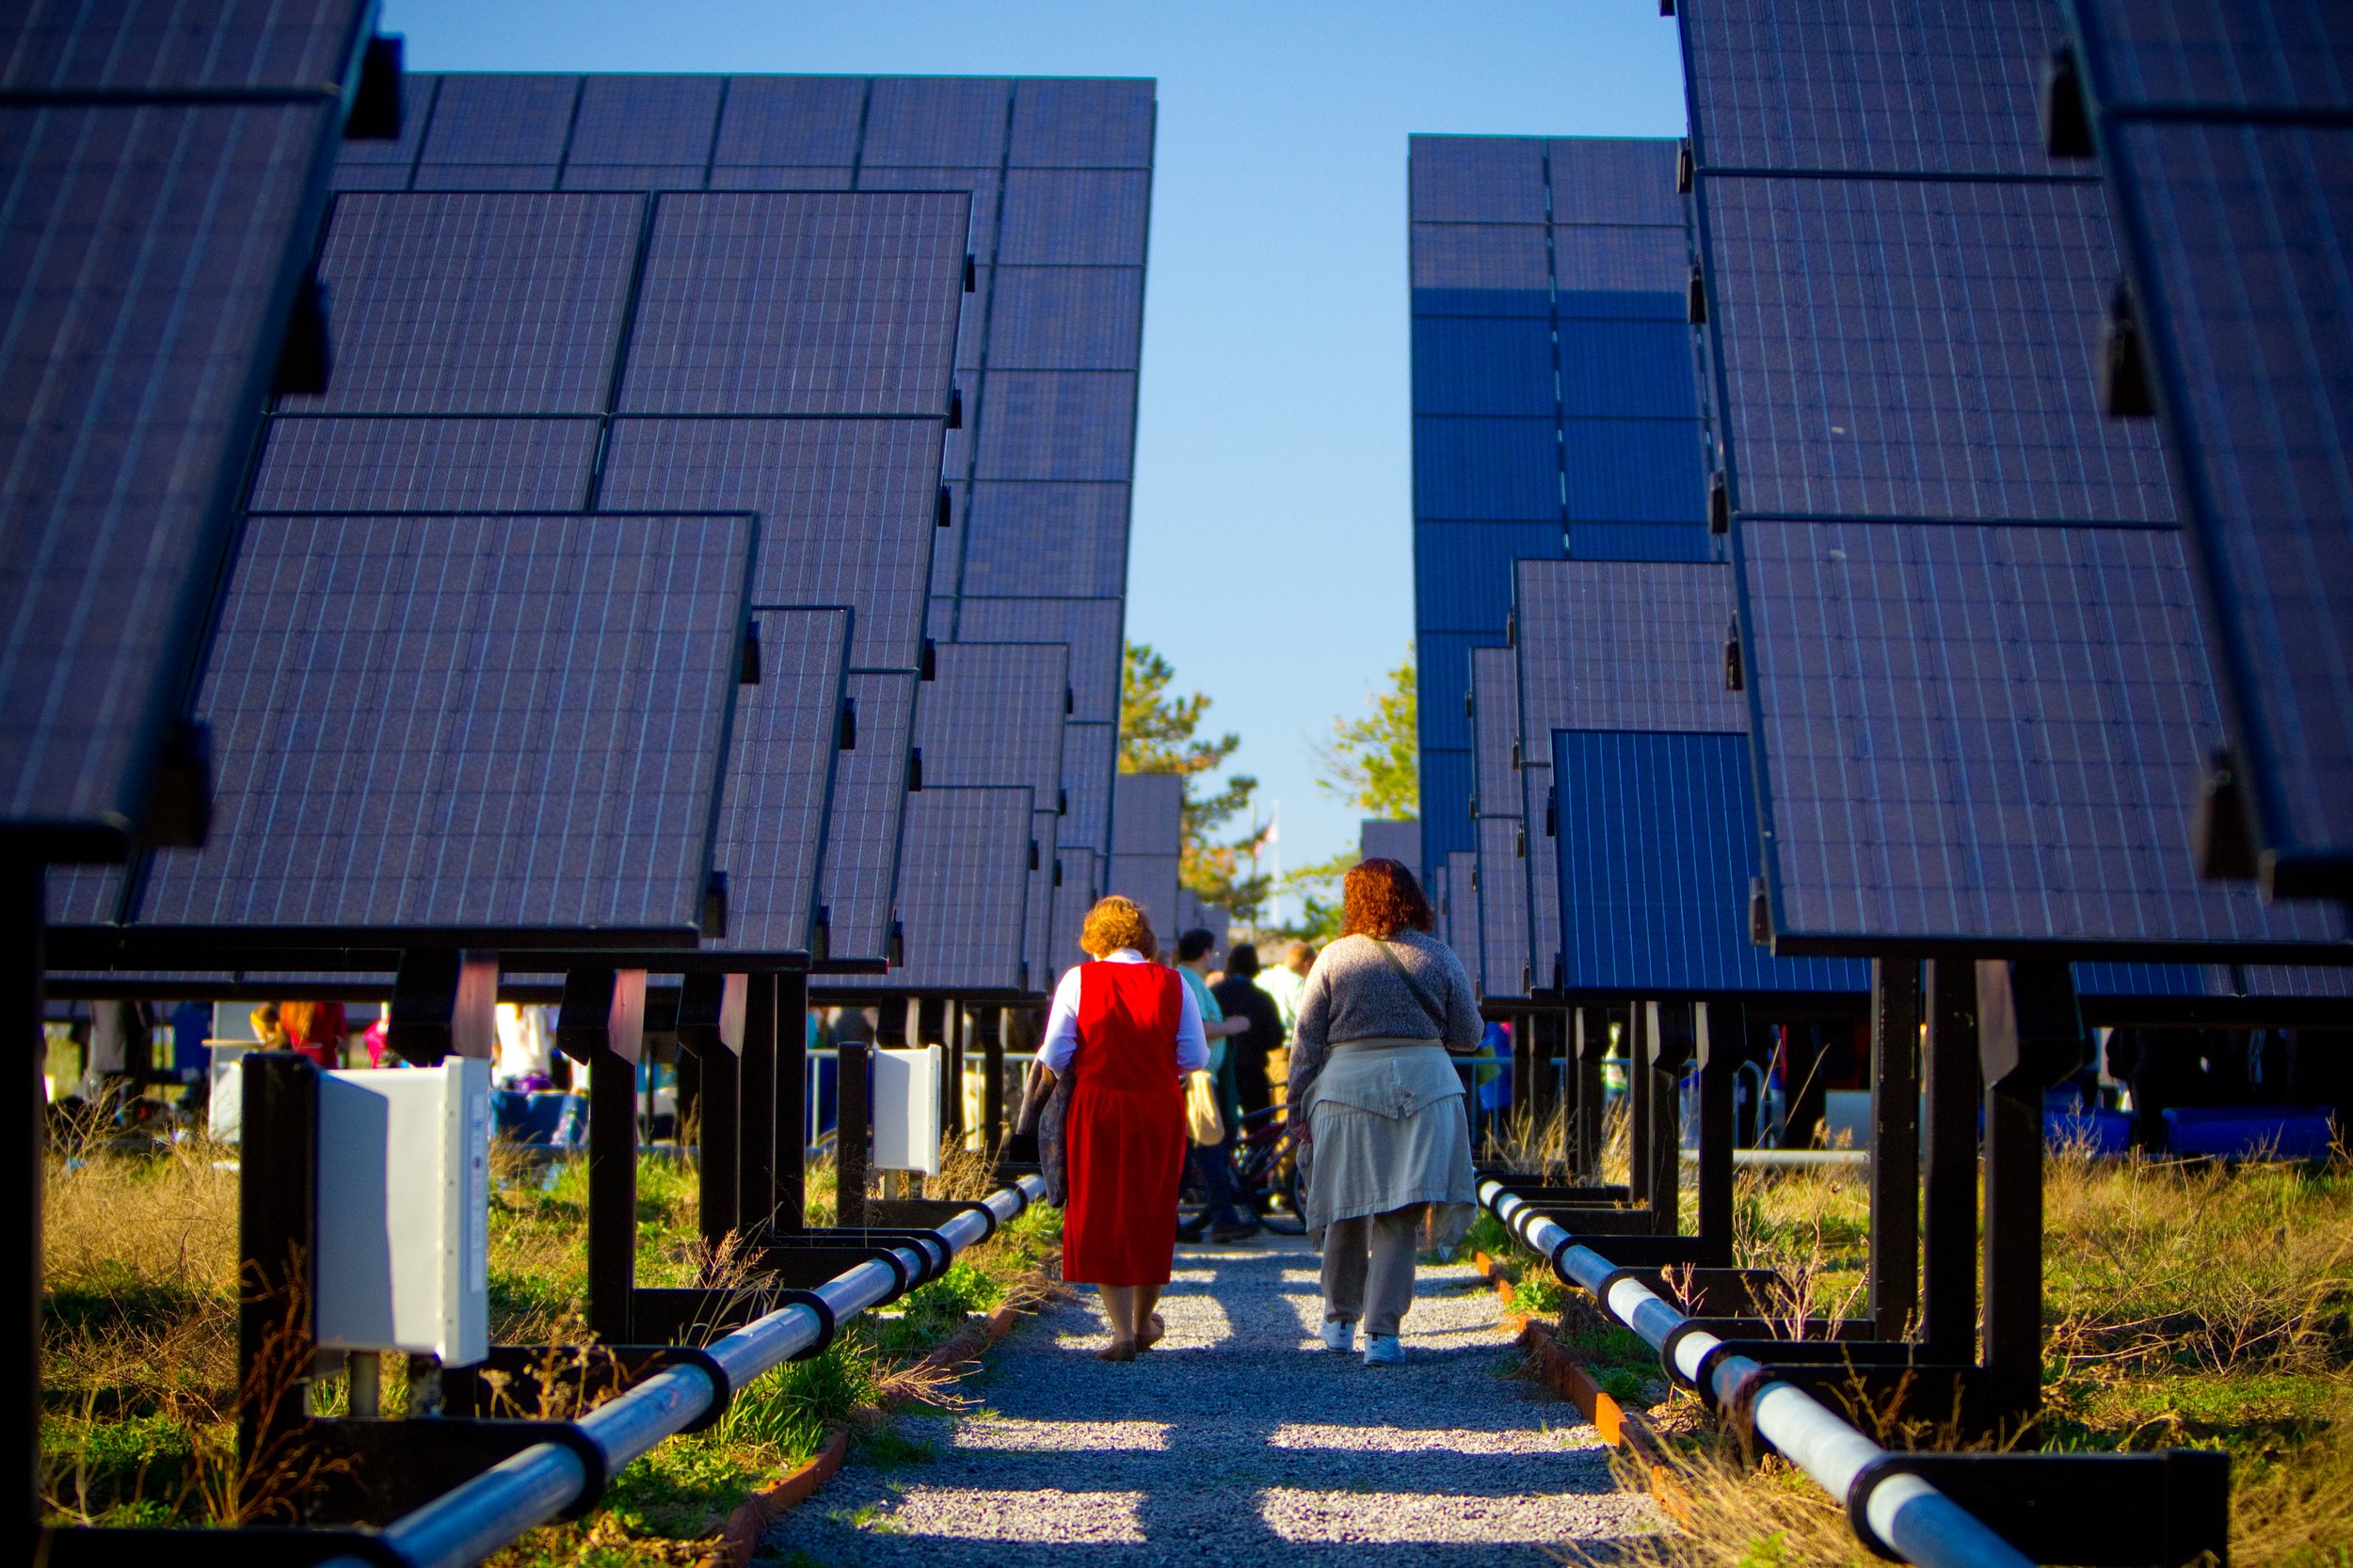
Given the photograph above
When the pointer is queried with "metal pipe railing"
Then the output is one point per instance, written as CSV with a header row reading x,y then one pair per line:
x,y
468,1523
1905,1512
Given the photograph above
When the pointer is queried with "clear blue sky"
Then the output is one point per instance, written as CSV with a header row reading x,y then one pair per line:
x,y
1272,558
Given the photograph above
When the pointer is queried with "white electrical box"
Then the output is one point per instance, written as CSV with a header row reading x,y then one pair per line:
x,y
405,1210
225,1105
906,1109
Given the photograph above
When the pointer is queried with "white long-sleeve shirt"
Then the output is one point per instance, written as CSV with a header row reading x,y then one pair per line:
x,y
1061,1024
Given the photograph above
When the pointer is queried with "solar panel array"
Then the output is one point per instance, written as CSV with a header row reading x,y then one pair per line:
x,y
1496,760
1146,844
187,148
962,890
2222,134
1556,397
1398,840
1977,696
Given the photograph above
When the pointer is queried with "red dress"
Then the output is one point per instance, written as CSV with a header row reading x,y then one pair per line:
x,y
1124,1133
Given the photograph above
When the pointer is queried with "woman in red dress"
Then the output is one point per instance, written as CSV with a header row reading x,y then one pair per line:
x,y
1126,1030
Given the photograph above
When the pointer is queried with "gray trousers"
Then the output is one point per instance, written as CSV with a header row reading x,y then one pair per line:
x,y
1371,1257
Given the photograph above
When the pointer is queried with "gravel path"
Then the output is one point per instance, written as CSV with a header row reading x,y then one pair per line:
x,y
1239,1440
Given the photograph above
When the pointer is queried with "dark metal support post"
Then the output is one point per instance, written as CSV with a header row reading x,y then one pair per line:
x,y
1522,1058
850,1134
951,1077
756,1116
1673,1044
21,971
988,1027
789,1126
1950,1261
1638,1088
2029,1032
1544,1037
1592,1043
711,1028
1894,1145
602,1024
277,1224
1721,1033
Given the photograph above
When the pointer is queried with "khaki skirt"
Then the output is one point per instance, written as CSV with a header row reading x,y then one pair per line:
x,y
1389,1132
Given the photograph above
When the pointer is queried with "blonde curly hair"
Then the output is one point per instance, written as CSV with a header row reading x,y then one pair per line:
x,y
1117,923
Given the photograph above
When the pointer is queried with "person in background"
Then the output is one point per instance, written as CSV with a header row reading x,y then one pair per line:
x,y
1213,1163
1240,996
1375,1100
1125,1031
313,1028
1284,982
525,1056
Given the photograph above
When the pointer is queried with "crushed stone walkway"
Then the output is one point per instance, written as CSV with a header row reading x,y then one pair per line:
x,y
1237,1440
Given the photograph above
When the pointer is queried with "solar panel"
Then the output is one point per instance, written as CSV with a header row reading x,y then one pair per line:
x,y
1476,180
1502,908
963,870
1037,941
466,724
980,184
511,178
1911,87
1057,424
777,791
1495,721
394,156
1462,571
1147,815
846,509
1081,882
475,303
1066,540
155,48
1617,370
642,119
1091,627
802,303
2233,196
424,465
154,252
1066,318
1090,760
500,118
1399,840
992,714
1150,881
631,177
1655,850
1074,218
1448,781
1614,180
781,177
1060,123
929,120
1442,675
1483,270
791,119
1987,733
1616,273
1462,899
858,876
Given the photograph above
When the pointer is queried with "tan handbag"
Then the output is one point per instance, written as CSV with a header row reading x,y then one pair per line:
x,y
1203,1122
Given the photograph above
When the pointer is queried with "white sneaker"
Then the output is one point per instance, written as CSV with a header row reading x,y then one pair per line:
x,y
1339,1335
1383,1350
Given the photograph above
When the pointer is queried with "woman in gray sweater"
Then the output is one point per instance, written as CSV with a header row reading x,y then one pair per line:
x,y
1378,1105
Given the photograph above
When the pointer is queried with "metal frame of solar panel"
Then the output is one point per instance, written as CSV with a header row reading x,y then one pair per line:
x,y
2223,135
1556,400
2022,544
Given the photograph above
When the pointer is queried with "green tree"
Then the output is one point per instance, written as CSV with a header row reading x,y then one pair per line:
x,y
1373,761
1158,734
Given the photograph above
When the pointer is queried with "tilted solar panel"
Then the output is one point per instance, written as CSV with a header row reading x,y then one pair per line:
x,y
859,878
1061,122
1147,814
1037,941
1986,733
1481,269
1399,840
992,714
646,120
1621,274
1462,898
2225,149
846,509
512,178
781,177
162,47
791,119
463,303
1910,86
1476,180
153,252
1448,781
777,791
1495,721
1502,908
1060,540
1056,424
629,177
1091,627
929,120
1090,762
1074,218
1463,572
1082,884
804,303
1150,881
466,724
500,118
424,464
1613,180
1066,318
1921,348
964,872
1655,851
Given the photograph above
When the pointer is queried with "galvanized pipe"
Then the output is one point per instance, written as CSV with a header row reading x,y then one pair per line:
x,y
465,1525
1908,1513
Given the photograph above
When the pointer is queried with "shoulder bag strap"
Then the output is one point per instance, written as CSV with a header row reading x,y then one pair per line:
x,y
1438,1014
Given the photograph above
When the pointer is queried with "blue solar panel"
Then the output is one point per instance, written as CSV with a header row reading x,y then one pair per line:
x,y
1481,269
1657,847
394,155
992,714
1909,87
1634,470
1629,370
426,465
1503,953
1922,348
1038,945
964,873
1059,122
1446,783
1151,881
366,685
1462,900
501,119
980,184
2286,55
1147,813
846,509
797,304
1613,180
2153,979
1621,273
1504,470
1638,542
791,119
157,47
1057,424
2238,239
1066,318
1496,698
859,875
929,120
1090,759
151,253
1486,365
1091,627
778,785
1442,673
1081,884
467,304
1476,180
781,177
1067,540
667,119
510,178
1066,218
1987,733
1462,571
637,177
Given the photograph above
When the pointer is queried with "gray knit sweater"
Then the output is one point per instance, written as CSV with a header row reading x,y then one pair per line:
x,y
1354,994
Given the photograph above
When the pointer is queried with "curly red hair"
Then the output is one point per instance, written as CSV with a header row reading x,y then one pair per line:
x,y
1380,899
1117,923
